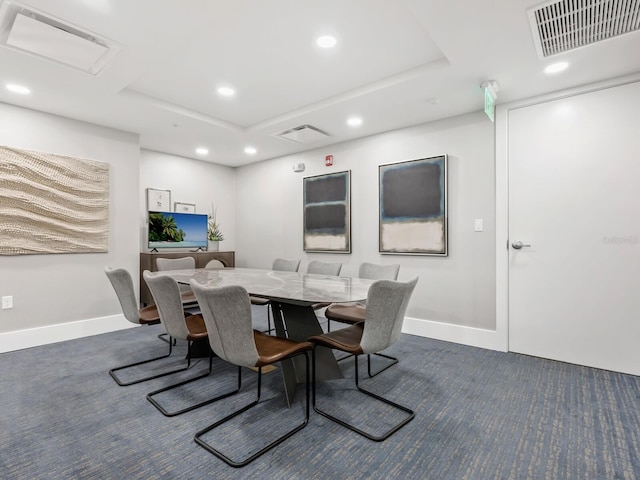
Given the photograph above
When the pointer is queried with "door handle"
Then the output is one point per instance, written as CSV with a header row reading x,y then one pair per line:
x,y
517,245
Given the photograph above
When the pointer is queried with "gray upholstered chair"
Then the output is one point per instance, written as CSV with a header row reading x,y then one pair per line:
x,y
190,328
286,265
280,265
227,314
387,303
323,268
123,285
184,263
214,264
355,312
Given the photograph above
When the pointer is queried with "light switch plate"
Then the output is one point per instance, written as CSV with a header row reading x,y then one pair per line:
x,y
479,225
7,302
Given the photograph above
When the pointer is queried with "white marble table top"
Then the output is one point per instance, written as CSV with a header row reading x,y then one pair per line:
x,y
294,287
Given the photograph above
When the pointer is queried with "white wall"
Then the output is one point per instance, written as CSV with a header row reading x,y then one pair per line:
x,y
260,210
57,289
454,291
190,181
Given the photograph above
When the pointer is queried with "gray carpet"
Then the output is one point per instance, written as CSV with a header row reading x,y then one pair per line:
x,y
479,415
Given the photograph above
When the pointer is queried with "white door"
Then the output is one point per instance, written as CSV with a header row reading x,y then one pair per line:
x,y
574,197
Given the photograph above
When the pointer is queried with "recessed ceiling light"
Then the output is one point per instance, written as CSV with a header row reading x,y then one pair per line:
x,y
556,68
250,150
326,41
22,90
226,91
202,151
354,121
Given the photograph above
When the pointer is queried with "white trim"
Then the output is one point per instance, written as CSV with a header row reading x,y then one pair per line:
x,y
474,337
502,226
34,337
502,189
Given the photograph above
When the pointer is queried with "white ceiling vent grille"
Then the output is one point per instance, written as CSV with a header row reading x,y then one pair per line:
x,y
29,31
561,26
304,134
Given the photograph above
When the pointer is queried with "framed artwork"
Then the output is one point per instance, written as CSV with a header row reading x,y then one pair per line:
x,y
184,207
327,213
158,200
52,203
413,207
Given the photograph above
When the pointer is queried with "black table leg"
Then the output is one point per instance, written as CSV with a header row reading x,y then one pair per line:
x,y
299,322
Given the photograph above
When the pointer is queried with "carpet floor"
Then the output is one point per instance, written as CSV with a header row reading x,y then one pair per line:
x,y
480,414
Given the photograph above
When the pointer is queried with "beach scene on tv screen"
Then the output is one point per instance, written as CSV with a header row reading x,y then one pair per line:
x,y
177,230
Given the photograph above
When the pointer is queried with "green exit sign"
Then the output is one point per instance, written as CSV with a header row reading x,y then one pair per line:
x,y
490,102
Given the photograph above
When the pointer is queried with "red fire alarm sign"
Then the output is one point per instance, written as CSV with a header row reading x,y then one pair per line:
x,y
328,160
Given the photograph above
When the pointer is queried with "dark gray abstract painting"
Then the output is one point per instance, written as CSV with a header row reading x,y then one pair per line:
x,y
327,213
413,206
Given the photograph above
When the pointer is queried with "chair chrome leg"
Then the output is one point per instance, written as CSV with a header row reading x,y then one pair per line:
x,y
154,402
124,384
410,413
246,461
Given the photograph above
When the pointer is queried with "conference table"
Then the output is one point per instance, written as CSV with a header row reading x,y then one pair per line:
x,y
292,296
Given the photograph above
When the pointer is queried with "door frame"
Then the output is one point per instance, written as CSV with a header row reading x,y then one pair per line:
x,y
502,190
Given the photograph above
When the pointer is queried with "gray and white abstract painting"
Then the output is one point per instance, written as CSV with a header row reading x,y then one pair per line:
x,y
413,207
327,213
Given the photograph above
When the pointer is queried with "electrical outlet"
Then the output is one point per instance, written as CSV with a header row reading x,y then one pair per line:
x,y
7,302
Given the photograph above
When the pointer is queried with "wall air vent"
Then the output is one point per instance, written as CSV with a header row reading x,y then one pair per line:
x,y
562,26
304,134
29,31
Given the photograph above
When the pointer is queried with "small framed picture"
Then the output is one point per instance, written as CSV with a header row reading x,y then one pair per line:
x,y
158,200
184,207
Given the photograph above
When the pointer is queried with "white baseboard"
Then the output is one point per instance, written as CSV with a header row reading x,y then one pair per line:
x,y
474,337
34,337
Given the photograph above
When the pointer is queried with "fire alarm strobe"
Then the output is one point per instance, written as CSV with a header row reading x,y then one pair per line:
x,y
328,160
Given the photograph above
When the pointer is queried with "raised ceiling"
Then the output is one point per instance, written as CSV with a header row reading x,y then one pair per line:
x,y
396,63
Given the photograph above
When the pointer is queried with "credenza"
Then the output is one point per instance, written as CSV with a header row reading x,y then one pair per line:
x,y
148,262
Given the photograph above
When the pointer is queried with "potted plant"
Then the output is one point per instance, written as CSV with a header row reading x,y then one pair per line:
x,y
214,234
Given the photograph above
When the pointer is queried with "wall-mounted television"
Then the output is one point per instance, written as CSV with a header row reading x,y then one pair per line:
x,y
177,230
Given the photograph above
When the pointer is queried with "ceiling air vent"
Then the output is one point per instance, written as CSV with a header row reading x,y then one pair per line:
x,y
304,134
562,26
29,31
